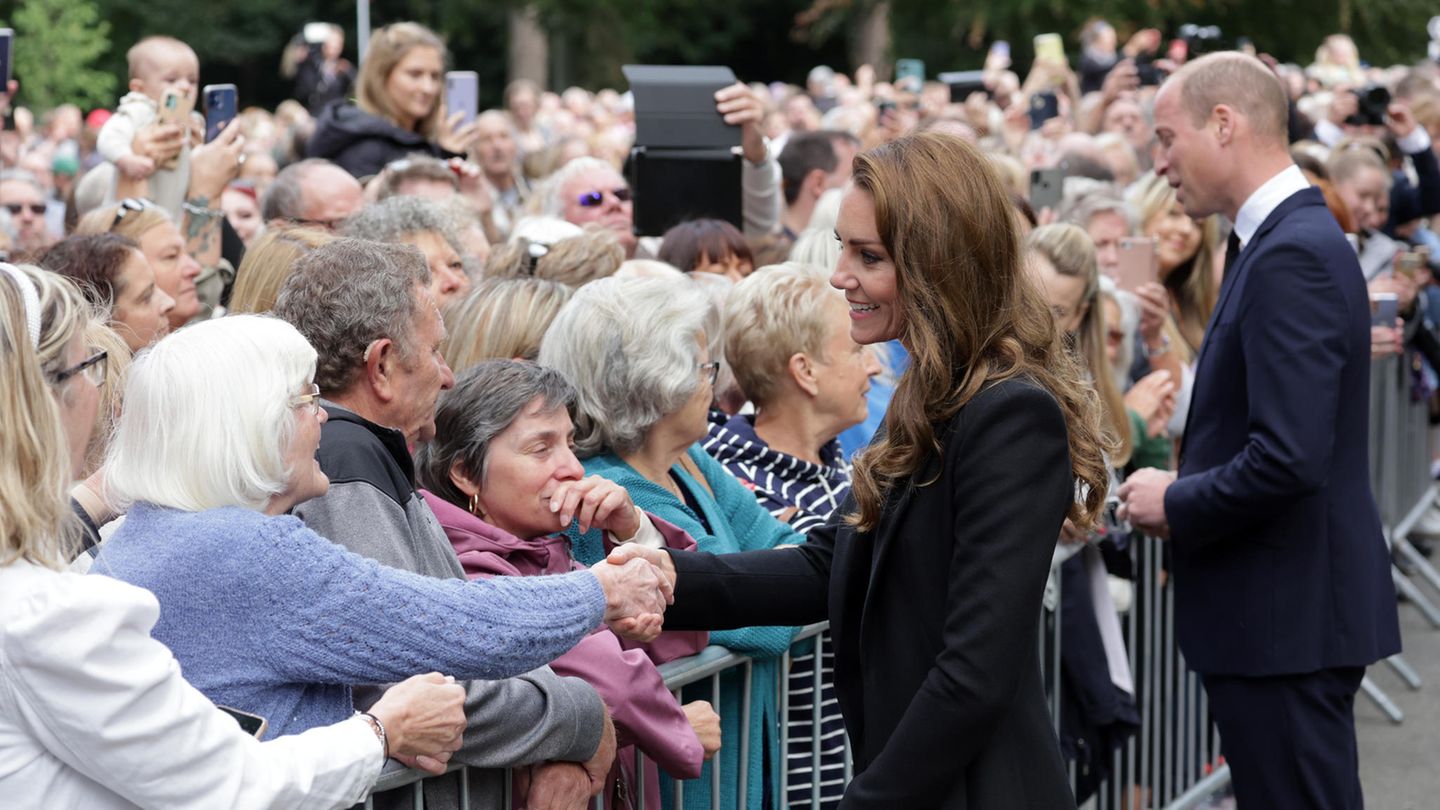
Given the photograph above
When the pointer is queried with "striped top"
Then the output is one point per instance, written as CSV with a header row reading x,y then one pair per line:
x,y
779,480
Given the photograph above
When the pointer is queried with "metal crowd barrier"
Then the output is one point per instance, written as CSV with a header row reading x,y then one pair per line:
x,y
1172,761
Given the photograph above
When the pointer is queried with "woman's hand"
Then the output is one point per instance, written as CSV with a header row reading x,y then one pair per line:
x,y
596,502
706,723
636,594
1154,309
424,719
215,164
1153,398
1386,341
453,137
159,142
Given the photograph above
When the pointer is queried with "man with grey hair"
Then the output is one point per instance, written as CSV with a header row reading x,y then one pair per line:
x,y
1283,593
428,225
496,152
367,310
23,196
312,192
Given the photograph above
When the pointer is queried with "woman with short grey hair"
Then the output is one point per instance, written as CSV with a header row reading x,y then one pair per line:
x,y
637,352
425,224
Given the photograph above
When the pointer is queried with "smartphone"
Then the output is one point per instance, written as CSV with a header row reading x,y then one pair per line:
x,y
7,41
252,724
910,74
1384,309
1409,262
1046,188
1000,49
220,104
1050,46
175,108
964,83
1137,263
462,94
1043,107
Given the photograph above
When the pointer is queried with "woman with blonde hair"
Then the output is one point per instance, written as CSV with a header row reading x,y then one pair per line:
x,y
573,261
994,435
159,238
93,711
398,109
269,262
1187,251
502,319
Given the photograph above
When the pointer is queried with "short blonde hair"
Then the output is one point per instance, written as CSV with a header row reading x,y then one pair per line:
x,y
388,46
573,261
1239,81
133,226
171,451
502,319
269,262
770,316
142,54
34,516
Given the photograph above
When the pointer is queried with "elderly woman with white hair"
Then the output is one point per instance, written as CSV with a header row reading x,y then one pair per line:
x,y
426,225
637,353
787,337
262,613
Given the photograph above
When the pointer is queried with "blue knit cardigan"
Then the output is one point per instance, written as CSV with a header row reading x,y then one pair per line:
x,y
737,522
267,616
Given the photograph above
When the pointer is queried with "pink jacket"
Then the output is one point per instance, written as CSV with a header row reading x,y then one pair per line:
x,y
645,713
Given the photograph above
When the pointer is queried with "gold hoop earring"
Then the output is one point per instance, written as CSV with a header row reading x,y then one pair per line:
x,y
475,505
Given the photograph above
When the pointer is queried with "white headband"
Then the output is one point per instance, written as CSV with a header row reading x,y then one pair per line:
x,y
32,300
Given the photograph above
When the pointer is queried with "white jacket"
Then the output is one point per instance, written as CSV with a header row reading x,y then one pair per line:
x,y
94,713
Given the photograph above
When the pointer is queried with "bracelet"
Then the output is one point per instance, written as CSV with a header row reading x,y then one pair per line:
x,y
1153,353
201,211
379,729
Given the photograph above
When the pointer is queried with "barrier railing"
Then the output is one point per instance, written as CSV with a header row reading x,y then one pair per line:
x,y
1172,760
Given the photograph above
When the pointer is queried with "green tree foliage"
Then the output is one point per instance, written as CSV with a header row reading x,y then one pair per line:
x,y
57,45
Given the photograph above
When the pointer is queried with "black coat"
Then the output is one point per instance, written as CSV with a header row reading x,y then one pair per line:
x,y
361,143
935,613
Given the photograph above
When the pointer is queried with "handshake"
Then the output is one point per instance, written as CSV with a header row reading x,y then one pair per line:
x,y
638,583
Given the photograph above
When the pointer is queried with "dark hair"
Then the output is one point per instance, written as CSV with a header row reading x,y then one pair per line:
x,y
93,262
685,244
487,398
804,153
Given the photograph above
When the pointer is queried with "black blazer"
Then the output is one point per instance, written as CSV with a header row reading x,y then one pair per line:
x,y
1280,566
935,614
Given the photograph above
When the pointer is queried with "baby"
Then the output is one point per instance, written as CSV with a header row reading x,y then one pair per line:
x,y
158,65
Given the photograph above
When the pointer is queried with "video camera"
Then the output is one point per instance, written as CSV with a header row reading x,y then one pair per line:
x,y
1202,39
1374,101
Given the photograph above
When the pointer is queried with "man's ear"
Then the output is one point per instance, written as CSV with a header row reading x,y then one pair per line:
x,y
1224,119
382,361
815,182
802,371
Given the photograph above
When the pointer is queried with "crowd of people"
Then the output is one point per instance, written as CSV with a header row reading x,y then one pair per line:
x,y
359,406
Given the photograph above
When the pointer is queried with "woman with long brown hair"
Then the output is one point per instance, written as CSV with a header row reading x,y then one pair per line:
x,y
991,441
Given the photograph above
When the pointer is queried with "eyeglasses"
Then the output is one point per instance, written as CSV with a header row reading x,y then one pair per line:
x,y
128,205
534,252
333,225
710,371
590,199
38,209
310,400
93,367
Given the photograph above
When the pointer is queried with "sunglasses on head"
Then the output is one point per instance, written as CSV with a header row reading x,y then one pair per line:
x,y
38,209
128,205
590,199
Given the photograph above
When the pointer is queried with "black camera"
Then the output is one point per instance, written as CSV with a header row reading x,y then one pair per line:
x,y
1374,101
1202,39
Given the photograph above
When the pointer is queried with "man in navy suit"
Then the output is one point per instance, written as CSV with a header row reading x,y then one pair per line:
x,y
1282,577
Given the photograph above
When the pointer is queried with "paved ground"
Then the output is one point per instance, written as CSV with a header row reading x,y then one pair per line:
x,y
1400,765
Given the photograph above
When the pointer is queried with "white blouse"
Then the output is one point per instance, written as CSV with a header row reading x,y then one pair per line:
x,y
94,713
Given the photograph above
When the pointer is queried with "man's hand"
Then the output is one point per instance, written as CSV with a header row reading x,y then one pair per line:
x,y
558,786
1143,500
1123,78
1386,341
739,105
635,598
596,502
159,142
1400,120
598,766
215,164
706,723
1343,104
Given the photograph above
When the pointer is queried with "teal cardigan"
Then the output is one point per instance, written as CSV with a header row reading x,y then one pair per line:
x,y
738,523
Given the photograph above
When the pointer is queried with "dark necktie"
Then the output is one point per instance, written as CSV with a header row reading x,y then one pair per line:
x,y
1232,252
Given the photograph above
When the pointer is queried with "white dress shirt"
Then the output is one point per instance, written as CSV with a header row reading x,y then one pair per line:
x,y
1266,199
94,713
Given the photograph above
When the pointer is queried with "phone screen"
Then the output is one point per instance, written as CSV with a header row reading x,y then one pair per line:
x,y
220,104
7,41
462,94
1137,263
252,724
1043,107
1384,309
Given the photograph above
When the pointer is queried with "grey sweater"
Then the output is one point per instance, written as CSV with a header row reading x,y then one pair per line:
x,y
374,509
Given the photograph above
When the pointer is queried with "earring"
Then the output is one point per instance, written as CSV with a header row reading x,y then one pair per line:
x,y
475,505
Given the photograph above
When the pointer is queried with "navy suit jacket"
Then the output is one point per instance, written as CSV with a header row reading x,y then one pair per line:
x,y
1279,562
